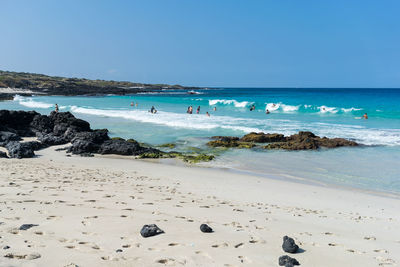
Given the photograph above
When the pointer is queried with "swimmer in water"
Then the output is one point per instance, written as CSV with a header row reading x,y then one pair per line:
x,y
56,107
215,108
208,114
365,116
198,110
252,107
131,104
267,111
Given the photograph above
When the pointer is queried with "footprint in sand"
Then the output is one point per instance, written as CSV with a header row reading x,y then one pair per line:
x,y
167,261
204,254
244,259
85,223
239,245
224,245
380,251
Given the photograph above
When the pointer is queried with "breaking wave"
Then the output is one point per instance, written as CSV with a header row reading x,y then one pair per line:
x,y
361,134
281,107
30,103
229,102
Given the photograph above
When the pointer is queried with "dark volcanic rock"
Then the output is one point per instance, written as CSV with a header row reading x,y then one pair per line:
x,y
300,141
17,121
229,141
121,147
6,137
20,150
205,228
225,138
287,261
61,128
51,140
88,142
42,124
263,138
335,142
149,230
27,226
3,154
289,245
308,140
68,119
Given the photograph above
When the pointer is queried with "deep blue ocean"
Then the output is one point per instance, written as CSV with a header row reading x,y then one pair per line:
x,y
326,112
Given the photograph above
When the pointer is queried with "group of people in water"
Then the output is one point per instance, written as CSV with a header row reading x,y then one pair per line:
x,y
190,110
153,110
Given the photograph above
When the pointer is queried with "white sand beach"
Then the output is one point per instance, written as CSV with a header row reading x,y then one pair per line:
x,y
89,212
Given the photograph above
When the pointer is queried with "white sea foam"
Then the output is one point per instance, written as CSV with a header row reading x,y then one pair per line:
x,y
350,109
272,106
281,107
178,120
229,102
325,109
288,108
29,102
358,133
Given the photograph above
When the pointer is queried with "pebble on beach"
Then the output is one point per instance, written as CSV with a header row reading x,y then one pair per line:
x,y
287,261
149,230
27,226
289,245
205,228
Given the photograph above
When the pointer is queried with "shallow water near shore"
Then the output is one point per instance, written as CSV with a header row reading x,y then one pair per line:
x,y
326,112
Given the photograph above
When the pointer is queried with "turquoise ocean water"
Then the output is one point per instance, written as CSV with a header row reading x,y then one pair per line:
x,y
326,112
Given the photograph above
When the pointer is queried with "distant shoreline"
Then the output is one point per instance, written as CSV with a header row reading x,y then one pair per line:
x,y
28,84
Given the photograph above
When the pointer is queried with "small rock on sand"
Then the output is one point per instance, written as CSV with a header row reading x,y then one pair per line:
x,y
289,245
149,230
27,226
205,228
287,261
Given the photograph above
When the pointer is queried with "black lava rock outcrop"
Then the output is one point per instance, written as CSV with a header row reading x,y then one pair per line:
x,y
229,141
289,245
300,141
20,150
263,138
56,129
149,230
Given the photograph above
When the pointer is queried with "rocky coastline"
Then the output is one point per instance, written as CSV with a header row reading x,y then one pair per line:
x,y
60,128
28,84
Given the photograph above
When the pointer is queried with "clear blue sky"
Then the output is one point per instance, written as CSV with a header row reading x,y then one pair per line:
x,y
281,43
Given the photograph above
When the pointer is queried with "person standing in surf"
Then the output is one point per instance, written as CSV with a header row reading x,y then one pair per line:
x,y
198,110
